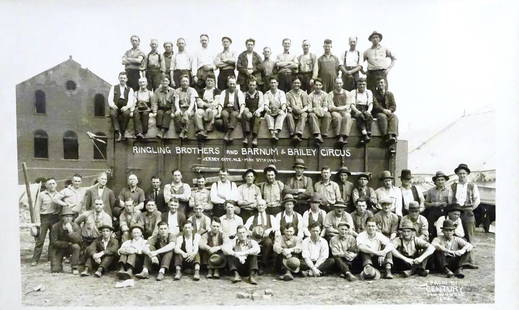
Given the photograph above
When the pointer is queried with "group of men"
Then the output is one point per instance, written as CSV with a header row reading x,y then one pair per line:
x,y
322,91
293,228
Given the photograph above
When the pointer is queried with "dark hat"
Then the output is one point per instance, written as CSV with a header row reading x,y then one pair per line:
x,y
288,197
217,261
270,167
369,273
453,207
375,33
247,171
105,226
414,205
292,264
225,37
440,174
462,166
339,205
137,226
343,169
316,197
448,225
407,225
385,175
67,211
367,175
299,162
406,174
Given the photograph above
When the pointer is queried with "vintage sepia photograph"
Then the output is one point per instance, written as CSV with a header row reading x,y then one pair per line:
x,y
240,153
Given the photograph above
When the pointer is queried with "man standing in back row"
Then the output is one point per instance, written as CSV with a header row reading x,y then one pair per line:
x,y
376,56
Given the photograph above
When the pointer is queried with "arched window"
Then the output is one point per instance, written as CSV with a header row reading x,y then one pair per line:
x,y
41,144
99,105
100,147
70,145
39,101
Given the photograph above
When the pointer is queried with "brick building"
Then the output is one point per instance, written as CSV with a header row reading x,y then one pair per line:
x,y
54,111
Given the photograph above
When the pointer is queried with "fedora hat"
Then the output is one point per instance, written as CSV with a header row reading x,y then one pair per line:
x,y
67,211
407,225
462,166
339,205
105,226
217,261
316,197
343,169
270,167
448,225
370,273
365,175
414,205
406,174
453,207
292,264
440,174
385,175
375,33
247,171
299,162
288,197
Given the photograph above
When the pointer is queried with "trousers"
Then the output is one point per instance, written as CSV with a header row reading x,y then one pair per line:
x,y
388,125
46,222
341,123
296,123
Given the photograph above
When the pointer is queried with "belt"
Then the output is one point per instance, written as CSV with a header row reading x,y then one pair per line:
x,y
376,70
153,69
182,70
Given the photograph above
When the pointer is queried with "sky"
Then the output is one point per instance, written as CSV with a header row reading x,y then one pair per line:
x,y
453,57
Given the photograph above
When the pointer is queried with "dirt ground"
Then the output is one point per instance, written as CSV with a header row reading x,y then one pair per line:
x,y
69,290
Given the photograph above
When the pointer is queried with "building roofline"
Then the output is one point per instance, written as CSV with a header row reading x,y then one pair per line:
x,y
69,60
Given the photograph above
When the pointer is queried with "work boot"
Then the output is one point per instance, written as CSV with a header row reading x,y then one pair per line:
x,y
406,273
236,277
388,274
118,136
350,277
216,274
160,276
341,140
99,272
288,276
209,273
448,273
255,141
85,273
178,275
422,272
159,134
319,139
246,141
143,275
458,274
297,138
252,278
196,276
139,136
75,271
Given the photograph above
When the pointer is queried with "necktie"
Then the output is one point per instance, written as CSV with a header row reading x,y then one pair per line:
x,y
156,194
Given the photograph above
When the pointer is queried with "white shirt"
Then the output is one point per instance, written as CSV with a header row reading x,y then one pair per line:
x,y
191,243
249,60
394,194
461,193
173,223
229,225
220,189
351,58
203,58
375,243
314,216
317,252
104,243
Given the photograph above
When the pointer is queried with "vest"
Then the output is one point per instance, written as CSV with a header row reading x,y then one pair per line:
x,y
252,101
236,106
339,99
210,240
183,98
255,221
416,198
470,194
183,247
195,227
118,101
148,61
283,222
320,219
263,187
